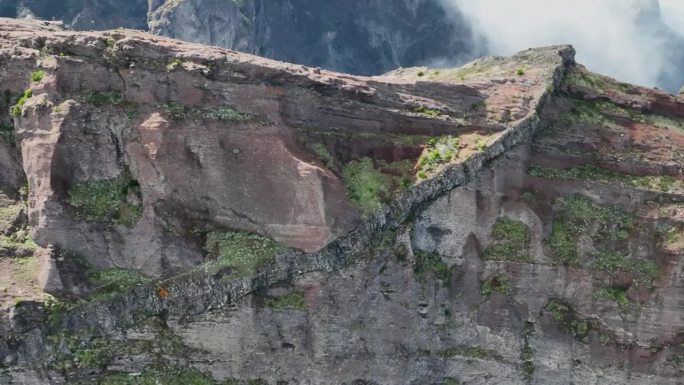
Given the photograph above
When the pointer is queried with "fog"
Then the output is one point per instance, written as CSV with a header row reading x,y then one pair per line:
x,y
639,41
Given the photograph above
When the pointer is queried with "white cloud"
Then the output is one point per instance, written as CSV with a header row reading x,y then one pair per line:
x,y
673,14
604,32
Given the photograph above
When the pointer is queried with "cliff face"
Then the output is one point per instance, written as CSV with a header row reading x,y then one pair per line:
x,y
360,37
204,216
81,15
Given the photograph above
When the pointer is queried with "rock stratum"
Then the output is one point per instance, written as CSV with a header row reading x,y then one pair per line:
x,y
173,213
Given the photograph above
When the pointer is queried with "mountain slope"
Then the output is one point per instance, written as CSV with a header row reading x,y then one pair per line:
x,y
513,221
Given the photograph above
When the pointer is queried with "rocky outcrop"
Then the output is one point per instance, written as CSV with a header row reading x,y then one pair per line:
x,y
513,221
202,140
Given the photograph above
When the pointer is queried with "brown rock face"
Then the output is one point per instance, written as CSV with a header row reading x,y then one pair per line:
x,y
213,139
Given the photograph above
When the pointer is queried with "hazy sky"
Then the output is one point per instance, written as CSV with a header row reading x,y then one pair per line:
x,y
603,31
673,14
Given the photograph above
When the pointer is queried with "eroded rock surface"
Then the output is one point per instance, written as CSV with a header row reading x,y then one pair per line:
x,y
514,221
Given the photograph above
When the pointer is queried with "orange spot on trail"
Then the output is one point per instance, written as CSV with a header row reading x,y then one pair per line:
x,y
163,292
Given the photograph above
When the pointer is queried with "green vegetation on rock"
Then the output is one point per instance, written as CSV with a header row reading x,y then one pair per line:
x,y
510,241
603,112
568,320
15,110
526,352
177,62
580,329
644,272
156,376
97,352
431,263
110,98
614,294
578,216
179,112
107,201
37,76
498,283
663,183
369,186
293,300
323,154
114,281
559,310
243,252
428,111
438,151
102,99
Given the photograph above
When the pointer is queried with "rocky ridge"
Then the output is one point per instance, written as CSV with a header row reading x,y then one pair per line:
x,y
513,221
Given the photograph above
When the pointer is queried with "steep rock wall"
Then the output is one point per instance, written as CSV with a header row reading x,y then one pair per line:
x,y
546,250
359,37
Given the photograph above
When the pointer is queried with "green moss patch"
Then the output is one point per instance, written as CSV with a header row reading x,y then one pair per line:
x,y
498,283
37,76
644,272
114,281
431,263
600,112
614,294
103,99
526,352
577,216
438,152
510,241
243,252
294,301
369,186
471,352
567,319
106,201
428,111
663,183
560,311
98,352
323,154
15,110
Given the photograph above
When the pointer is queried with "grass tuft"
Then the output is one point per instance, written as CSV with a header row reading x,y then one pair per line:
x,y
243,252
106,201
37,76
369,186
431,263
294,301
510,241
496,284
15,110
